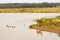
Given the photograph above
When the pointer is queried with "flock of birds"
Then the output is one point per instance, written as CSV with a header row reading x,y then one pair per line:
x,y
10,26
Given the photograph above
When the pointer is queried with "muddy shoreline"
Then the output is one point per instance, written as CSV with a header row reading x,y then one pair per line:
x,y
45,29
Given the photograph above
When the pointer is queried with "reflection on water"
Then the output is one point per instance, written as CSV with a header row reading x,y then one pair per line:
x,y
21,30
39,32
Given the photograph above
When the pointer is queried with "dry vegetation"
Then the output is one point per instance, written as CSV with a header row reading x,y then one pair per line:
x,y
30,10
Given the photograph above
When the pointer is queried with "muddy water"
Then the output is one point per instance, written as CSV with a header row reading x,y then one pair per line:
x,y
21,30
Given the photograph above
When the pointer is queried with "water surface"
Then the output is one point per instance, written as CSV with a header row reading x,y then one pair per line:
x,y
21,30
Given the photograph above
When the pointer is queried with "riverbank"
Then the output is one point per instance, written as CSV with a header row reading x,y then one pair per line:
x,y
30,10
43,28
